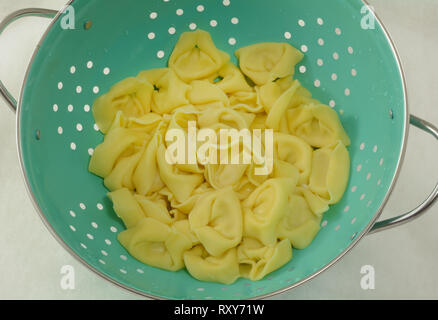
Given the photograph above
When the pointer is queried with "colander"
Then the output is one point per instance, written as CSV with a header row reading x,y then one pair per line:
x,y
350,64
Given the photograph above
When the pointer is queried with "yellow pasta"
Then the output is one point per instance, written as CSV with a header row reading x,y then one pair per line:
x,y
231,80
218,219
300,225
156,244
265,208
126,207
257,260
265,62
196,57
154,207
117,143
170,91
276,114
146,177
295,151
316,124
181,184
331,167
203,92
247,101
202,266
132,96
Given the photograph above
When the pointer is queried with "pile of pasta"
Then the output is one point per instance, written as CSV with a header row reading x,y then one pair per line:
x,y
219,221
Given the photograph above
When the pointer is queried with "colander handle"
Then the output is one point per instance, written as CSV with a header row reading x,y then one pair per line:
x,y
46,13
418,211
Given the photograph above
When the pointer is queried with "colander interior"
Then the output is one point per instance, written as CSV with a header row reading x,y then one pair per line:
x,y
351,69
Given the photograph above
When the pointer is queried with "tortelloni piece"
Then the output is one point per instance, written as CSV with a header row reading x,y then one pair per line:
x,y
257,260
270,92
123,170
331,168
196,57
225,175
121,175
169,93
120,142
146,177
265,208
155,243
132,96
300,225
295,151
179,182
216,219
264,62
126,207
231,80
262,160
224,118
247,101
318,125
202,92
223,269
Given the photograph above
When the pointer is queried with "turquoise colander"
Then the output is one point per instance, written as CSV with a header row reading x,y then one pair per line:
x,y
350,64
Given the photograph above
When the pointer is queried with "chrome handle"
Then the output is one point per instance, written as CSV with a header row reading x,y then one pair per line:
x,y
421,209
45,13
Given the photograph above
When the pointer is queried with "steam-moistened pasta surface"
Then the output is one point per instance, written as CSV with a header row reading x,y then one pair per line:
x,y
220,221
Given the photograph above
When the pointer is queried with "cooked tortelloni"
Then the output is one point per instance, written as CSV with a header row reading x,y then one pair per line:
x,y
186,206
121,142
203,92
196,57
225,118
180,120
204,267
317,124
299,224
265,208
126,207
264,62
131,96
218,218
296,152
270,92
247,101
257,260
180,183
146,177
169,93
231,80
121,175
331,168
230,167
131,207
155,243
224,175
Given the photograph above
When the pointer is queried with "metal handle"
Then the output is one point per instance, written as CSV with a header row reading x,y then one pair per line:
x,y
45,13
421,209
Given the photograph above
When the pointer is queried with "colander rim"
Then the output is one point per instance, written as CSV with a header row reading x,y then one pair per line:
x,y
357,238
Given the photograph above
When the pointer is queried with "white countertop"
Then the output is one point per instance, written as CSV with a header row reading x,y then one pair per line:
x,y
405,258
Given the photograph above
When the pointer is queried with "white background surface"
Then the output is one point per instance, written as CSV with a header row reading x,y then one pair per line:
x,y
405,259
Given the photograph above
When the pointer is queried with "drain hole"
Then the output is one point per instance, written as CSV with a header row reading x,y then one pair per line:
x,y
38,134
88,24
